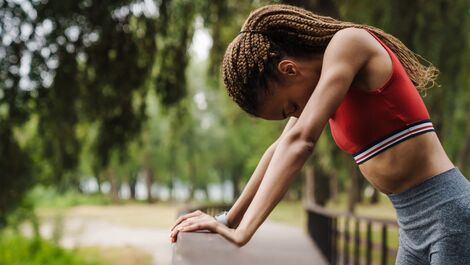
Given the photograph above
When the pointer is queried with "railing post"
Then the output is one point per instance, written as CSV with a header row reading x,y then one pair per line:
x,y
334,240
384,244
342,254
356,242
369,244
346,241
320,230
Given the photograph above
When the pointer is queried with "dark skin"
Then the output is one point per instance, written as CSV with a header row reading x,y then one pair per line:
x,y
309,91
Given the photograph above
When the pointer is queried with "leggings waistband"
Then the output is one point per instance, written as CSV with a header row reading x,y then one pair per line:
x,y
446,185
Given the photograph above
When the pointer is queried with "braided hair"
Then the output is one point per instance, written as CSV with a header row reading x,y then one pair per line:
x,y
275,31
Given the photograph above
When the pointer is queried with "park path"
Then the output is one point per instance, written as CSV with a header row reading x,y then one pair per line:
x,y
85,231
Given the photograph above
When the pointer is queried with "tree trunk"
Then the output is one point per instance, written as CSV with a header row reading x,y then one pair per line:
x,y
334,187
191,191
321,185
170,189
96,174
361,184
206,192
236,188
114,185
309,185
298,193
353,194
148,176
148,183
132,185
235,178
316,184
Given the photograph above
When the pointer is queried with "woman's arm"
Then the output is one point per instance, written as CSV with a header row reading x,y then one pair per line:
x,y
236,212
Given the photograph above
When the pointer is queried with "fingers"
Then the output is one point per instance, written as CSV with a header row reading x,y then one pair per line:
x,y
193,227
190,227
180,226
194,223
184,217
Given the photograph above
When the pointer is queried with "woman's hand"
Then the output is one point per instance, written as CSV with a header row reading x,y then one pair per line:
x,y
199,220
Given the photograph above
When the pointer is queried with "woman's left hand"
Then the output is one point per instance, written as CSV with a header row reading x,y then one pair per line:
x,y
199,220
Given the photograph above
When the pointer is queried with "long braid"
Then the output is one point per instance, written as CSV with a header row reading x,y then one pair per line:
x,y
274,30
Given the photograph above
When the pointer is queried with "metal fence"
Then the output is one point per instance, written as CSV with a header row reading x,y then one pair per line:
x,y
329,228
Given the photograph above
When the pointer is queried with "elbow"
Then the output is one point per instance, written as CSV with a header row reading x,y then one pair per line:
x,y
241,238
242,241
302,143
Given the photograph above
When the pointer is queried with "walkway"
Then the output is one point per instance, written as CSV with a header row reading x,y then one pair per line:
x,y
273,243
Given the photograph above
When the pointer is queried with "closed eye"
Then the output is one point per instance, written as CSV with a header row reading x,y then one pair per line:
x,y
295,107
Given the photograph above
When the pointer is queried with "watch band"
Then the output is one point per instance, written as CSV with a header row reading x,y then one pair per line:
x,y
222,217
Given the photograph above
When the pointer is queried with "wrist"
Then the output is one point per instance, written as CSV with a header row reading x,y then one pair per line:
x,y
222,218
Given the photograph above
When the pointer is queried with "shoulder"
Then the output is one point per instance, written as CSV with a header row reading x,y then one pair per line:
x,y
351,46
352,38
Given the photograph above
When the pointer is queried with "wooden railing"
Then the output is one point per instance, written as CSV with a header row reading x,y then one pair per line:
x,y
328,228
210,209
204,248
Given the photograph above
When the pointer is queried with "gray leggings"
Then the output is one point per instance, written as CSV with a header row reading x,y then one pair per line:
x,y
434,221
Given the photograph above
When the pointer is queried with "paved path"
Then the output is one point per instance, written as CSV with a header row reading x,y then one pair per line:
x,y
78,231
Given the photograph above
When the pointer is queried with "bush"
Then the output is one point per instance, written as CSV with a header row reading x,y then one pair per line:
x,y
18,250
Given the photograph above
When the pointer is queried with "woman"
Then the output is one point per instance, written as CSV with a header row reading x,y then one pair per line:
x,y
289,62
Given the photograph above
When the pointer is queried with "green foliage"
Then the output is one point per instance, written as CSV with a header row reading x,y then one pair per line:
x,y
86,62
15,174
17,250
173,51
23,214
49,197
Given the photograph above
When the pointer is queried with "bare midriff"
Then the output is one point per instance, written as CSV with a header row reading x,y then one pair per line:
x,y
407,164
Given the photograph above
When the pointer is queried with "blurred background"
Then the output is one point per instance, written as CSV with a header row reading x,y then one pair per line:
x,y
113,116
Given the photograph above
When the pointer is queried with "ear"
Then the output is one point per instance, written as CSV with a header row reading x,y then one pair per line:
x,y
287,67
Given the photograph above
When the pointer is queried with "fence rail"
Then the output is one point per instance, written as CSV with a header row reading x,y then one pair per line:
x,y
273,244
331,231
210,209
325,229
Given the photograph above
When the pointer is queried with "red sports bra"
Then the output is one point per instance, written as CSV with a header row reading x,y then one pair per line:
x,y
367,123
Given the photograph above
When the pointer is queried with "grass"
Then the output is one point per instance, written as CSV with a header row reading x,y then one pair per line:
x,y
160,215
292,212
115,255
383,209
289,212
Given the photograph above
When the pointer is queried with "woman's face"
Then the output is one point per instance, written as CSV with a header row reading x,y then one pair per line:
x,y
288,96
